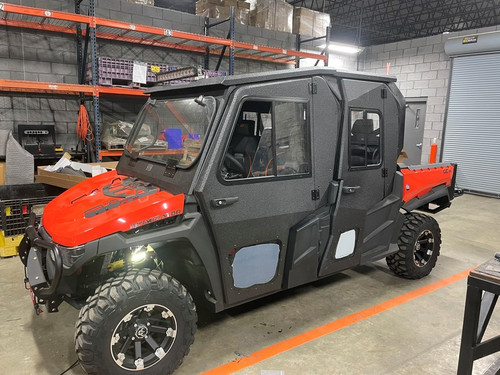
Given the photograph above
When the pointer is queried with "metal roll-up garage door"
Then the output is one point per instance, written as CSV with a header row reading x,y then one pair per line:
x,y
472,128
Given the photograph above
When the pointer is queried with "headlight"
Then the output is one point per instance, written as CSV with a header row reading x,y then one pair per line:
x,y
71,254
139,254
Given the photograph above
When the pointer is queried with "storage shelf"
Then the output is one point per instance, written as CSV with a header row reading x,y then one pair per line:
x,y
64,22
7,85
12,15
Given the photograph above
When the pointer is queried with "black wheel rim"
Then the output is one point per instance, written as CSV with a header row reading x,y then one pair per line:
x,y
143,337
423,249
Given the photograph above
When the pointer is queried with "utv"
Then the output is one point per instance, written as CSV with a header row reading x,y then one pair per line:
x,y
231,189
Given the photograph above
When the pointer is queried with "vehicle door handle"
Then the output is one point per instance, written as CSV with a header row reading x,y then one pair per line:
x,y
350,189
419,145
222,202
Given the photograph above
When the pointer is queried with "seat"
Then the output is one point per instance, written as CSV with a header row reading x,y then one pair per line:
x,y
244,144
364,143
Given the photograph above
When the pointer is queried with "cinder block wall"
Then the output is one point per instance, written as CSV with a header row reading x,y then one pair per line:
x,y
423,70
42,56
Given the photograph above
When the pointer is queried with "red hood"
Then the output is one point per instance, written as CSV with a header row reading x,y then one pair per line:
x,y
106,204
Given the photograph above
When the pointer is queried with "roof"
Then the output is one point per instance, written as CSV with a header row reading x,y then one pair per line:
x,y
272,76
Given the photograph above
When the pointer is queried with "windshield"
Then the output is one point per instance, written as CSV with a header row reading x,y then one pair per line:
x,y
172,131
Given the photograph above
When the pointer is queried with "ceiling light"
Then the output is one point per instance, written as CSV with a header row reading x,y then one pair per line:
x,y
344,48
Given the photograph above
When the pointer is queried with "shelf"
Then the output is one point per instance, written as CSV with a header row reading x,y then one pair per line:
x,y
12,15
64,22
7,85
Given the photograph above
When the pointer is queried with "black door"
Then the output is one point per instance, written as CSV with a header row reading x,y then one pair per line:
x,y
362,218
258,183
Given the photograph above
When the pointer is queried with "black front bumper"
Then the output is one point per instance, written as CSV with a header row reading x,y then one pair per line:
x,y
41,258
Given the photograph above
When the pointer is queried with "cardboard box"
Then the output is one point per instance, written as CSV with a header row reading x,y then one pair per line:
x,y
309,22
265,14
243,4
207,9
2,173
242,16
303,21
284,16
203,5
65,180
321,22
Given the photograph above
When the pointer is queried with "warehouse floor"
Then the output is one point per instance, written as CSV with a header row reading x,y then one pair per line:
x,y
404,336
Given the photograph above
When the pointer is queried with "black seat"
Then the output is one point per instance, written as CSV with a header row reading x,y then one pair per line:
x,y
244,144
364,143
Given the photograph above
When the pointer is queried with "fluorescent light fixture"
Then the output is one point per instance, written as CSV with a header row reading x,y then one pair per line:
x,y
344,48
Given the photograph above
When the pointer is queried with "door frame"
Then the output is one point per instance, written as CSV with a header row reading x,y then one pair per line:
x,y
417,100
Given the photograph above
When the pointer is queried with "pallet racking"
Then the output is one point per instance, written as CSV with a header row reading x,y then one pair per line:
x,y
89,28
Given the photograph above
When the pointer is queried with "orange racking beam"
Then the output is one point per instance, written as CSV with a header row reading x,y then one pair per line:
x,y
279,51
136,40
45,87
45,13
159,31
202,38
113,90
110,153
65,88
38,26
96,21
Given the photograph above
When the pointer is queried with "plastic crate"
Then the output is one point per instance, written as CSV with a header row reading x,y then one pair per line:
x,y
16,212
14,220
119,72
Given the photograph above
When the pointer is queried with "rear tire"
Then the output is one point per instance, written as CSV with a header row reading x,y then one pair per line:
x,y
419,244
141,320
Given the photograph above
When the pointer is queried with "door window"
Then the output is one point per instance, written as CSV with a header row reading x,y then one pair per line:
x,y
364,138
270,139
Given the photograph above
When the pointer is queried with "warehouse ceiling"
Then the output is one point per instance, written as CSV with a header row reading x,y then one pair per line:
x,y
370,22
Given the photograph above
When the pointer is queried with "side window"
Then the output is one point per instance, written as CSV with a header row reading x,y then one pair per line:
x,y
364,138
270,139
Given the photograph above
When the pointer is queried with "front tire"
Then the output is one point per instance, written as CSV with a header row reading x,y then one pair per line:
x,y
141,320
419,244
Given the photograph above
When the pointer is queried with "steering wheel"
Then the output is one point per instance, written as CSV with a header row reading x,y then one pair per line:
x,y
233,164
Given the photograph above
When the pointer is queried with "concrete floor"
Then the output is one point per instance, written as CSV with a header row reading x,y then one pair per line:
x,y
421,336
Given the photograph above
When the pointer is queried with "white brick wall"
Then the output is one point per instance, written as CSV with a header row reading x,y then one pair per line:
x,y
422,70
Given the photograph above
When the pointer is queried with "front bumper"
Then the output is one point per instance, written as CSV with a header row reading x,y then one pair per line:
x,y
43,268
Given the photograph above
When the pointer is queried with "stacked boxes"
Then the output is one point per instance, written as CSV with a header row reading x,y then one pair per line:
x,y
274,15
284,17
265,14
309,22
321,22
303,21
222,9
280,16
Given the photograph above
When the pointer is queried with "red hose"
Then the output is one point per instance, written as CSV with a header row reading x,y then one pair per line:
x,y
83,127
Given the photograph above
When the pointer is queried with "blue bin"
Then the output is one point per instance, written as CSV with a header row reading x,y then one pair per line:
x,y
174,138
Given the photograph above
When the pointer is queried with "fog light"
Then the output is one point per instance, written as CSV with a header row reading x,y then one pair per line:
x,y
138,254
